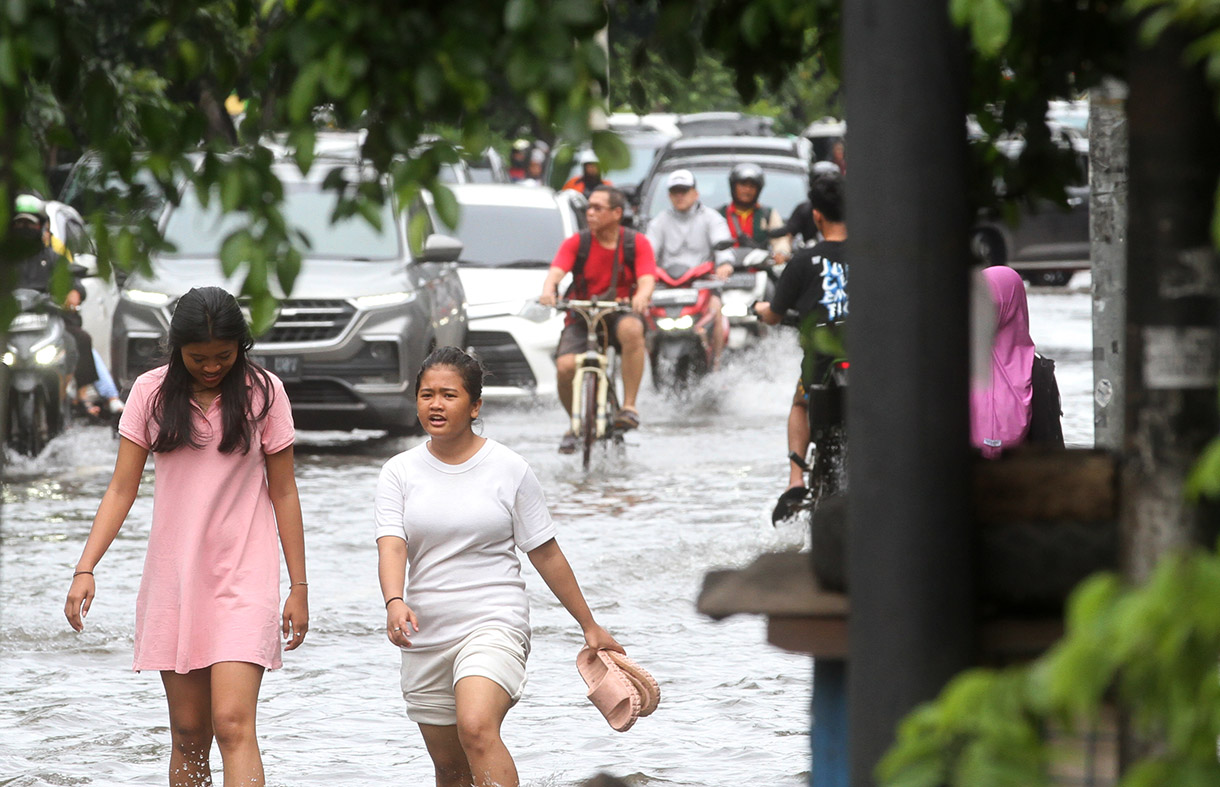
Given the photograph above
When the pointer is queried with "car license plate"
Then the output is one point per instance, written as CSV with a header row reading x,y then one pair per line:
x,y
285,367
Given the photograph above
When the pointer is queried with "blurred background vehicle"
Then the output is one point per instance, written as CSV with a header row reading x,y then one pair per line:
x,y
1048,242
725,124
509,236
363,312
744,148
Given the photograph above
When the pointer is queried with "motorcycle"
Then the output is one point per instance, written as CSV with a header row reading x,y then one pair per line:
x,y
680,326
38,361
752,280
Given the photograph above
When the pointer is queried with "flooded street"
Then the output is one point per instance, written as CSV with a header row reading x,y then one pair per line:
x,y
693,491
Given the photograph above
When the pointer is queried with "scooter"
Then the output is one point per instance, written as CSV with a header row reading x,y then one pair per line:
x,y
752,281
38,360
680,326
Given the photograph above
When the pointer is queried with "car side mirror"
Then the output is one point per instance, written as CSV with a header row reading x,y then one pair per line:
x,y
441,248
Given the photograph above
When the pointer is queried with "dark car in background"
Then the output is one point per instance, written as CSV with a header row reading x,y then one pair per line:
x,y
362,315
1048,243
744,148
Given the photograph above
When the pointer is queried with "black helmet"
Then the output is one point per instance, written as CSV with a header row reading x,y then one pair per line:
x,y
747,173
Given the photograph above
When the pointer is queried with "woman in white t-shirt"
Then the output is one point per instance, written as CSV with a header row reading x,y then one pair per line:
x,y
456,509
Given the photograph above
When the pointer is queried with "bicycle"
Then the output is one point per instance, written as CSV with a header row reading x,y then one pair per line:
x,y
594,390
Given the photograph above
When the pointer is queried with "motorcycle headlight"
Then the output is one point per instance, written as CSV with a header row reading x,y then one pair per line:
x,y
9,358
46,356
733,310
665,323
684,322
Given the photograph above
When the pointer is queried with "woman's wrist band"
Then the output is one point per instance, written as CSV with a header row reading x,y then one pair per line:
x,y
396,598
294,584
78,573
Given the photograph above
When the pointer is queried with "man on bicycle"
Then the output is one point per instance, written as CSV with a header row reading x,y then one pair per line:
x,y
688,234
607,261
814,281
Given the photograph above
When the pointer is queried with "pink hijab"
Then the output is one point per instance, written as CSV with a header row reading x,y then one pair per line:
x,y
1000,413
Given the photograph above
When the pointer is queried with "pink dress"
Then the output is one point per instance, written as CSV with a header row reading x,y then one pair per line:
x,y
210,590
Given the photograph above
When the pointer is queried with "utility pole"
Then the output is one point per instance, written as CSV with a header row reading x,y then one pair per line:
x,y
1173,302
911,624
1108,254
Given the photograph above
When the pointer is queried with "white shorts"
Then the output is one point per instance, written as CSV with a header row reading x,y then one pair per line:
x,y
429,677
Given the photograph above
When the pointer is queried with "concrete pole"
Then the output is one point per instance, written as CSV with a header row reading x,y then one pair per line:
x,y
912,617
1173,302
1108,253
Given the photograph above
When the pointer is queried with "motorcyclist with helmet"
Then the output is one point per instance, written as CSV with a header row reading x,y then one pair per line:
x,y
690,233
590,175
750,222
801,228
38,252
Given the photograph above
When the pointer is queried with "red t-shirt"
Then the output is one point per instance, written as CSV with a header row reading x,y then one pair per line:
x,y
600,265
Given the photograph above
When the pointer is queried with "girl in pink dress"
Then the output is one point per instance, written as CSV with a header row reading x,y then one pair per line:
x,y
207,615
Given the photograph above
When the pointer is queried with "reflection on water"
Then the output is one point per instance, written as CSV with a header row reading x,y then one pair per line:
x,y
691,491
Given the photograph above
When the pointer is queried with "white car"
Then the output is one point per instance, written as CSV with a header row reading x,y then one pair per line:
x,y
509,234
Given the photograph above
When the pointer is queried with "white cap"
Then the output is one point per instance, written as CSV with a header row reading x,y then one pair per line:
x,y
680,178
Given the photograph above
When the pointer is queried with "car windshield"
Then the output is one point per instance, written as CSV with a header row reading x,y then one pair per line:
x,y
496,235
784,190
197,231
88,189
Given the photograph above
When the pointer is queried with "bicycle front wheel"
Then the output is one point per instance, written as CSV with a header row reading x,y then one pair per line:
x,y
588,420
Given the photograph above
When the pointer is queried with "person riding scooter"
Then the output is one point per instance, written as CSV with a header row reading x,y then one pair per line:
x,y
690,233
751,223
590,175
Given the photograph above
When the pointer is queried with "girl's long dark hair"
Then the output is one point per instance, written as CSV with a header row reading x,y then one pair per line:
x,y
208,314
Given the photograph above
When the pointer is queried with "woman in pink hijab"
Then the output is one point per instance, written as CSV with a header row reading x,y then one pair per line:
x,y
1000,413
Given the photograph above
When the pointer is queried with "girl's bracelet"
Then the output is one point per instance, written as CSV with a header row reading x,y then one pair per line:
x,y
396,598
78,573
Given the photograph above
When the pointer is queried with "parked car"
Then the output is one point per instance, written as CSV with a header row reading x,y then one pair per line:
x,y
509,236
1048,243
362,315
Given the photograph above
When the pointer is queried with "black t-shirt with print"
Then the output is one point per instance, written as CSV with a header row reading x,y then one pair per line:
x,y
815,279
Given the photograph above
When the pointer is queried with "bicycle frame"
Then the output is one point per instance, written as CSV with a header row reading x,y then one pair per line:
x,y
596,361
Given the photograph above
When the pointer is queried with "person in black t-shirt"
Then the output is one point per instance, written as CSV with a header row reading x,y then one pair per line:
x,y
813,281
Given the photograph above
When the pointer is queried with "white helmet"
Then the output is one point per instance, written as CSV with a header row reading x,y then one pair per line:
x,y
587,157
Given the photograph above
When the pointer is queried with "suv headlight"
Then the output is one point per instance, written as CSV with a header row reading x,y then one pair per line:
x,y
147,297
382,301
9,358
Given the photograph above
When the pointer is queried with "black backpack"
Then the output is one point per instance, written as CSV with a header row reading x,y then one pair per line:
x,y
579,287
1045,425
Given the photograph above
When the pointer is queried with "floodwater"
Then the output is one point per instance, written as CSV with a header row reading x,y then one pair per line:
x,y
692,492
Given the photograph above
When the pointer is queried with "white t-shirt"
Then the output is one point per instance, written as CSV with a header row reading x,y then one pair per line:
x,y
461,524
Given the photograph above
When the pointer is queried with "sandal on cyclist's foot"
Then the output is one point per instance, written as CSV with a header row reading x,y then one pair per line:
x,y
568,444
789,503
626,419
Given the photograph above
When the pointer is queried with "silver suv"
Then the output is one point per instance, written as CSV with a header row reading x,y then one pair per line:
x,y
363,312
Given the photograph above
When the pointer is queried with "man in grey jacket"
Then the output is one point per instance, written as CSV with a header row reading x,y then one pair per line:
x,y
686,235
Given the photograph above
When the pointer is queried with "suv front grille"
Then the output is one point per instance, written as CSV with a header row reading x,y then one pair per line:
x,y
309,321
502,358
318,392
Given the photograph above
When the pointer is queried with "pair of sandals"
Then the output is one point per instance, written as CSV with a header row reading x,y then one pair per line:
x,y
618,687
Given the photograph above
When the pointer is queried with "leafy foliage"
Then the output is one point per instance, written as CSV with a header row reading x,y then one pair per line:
x,y
142,84
1151,647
